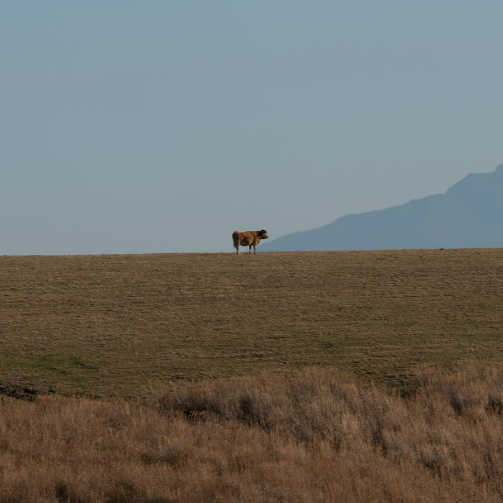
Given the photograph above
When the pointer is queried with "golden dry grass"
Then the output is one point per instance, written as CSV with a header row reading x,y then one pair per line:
x,y
314,436
212,348
122,325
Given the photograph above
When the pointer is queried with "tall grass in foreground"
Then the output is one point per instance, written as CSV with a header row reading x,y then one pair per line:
x,y
315,436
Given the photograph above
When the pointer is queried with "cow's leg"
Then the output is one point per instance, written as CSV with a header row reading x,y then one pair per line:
x,y
254,249
249,249
235,241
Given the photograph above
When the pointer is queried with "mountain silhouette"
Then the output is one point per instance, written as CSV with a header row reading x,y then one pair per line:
x,y
468,215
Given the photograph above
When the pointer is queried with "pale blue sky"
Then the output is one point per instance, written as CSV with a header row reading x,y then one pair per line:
x,y
152,126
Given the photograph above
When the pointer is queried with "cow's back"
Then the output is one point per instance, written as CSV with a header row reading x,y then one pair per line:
x,y
245,238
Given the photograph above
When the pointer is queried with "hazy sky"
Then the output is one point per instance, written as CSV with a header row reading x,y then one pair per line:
x,y
152,126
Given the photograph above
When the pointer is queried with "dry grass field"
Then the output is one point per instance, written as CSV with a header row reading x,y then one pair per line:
x,y
124,325
312,436
282,377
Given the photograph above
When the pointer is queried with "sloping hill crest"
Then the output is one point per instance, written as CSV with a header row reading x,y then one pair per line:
x,y
468,215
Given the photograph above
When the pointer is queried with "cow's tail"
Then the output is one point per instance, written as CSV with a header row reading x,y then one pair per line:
x,y
235,240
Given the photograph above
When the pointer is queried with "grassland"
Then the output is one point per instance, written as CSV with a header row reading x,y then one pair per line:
x,y
309,436
299,377
124,325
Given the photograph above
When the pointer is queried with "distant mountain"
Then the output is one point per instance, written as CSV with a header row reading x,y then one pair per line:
x,y
468,215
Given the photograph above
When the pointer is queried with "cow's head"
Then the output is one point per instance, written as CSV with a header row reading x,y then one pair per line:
x,y
262,234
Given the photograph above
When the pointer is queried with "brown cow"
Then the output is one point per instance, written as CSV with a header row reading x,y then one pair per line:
x,y
248,238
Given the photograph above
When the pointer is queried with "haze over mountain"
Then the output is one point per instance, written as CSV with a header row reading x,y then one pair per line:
x,y
468,215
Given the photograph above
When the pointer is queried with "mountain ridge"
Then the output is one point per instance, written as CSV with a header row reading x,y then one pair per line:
x,y
468,215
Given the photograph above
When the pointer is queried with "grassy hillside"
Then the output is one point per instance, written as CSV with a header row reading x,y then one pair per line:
x,y
310,436
122,325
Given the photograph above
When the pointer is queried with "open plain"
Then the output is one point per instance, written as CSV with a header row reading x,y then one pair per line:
x,y
121,325
299,377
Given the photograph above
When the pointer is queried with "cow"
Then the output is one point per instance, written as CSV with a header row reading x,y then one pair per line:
x,y
248,238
